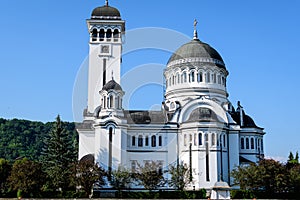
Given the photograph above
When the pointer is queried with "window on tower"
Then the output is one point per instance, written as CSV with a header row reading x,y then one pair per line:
x,y
108,34
247,143
207,77
252,143
94,35
200,77
147,141
116,35
101,34
200,138
160,141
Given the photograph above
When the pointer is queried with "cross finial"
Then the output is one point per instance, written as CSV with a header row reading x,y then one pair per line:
x,y
195,30
106,2
195,24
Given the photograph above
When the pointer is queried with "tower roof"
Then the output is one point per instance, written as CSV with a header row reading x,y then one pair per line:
x,y
112,85
106,12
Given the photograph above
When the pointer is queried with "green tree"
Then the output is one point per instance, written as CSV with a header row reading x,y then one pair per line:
x,y
87,174
26,176
58,156
180,176
150,175
268,175
121,178
5,169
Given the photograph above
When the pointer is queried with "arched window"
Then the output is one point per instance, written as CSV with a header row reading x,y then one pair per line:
x,y
153,141
116,35
140,141
133,140
200,77
224,140
200,139
111,101
101,34
173,80
242,143
247,143
252,143
219,79
184,77
108,34
147,141
178,78
160,141
207,77
214,78
213,139
94,35
192,76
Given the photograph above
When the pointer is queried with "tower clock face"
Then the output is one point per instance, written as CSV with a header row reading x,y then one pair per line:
x,y
105,49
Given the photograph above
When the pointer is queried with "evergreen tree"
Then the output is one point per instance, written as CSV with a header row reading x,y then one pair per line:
x,y
5,169
58,156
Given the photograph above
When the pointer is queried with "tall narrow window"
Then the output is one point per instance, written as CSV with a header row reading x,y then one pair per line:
x,y
160,141
207,77
185,140
195,139
110,152
191,138
101,34
140,141
200,138
108,34
133,140
262,144
200,77
192,76
219,79
116,35
178,78
184,77
224,140
242,143
247,143
252,143
111,102
147,141
104,72
153,141
94,35
213,139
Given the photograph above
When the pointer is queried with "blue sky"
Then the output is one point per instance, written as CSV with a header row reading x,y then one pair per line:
x,y
44,43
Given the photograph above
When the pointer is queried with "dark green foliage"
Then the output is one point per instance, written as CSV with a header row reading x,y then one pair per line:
x,y
149,175
121,178
87,174
26,177
180,176
5,169
24,138
58,156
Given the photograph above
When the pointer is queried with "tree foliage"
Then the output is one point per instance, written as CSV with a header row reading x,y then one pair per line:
x,y
180,177
24,138
268,175
87,174
26,176
58,155
150,175
5,169
121,178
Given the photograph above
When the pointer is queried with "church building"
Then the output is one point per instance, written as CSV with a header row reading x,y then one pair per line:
x,y
197,124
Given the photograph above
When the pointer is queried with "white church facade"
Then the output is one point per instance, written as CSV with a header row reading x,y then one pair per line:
x,y
197,124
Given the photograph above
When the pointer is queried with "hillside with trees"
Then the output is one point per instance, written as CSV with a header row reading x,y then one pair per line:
x,y
23,138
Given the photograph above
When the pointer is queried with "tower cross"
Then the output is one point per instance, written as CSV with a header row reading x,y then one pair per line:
x,y
195,30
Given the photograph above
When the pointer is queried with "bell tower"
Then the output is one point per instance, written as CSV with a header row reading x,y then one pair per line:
x,y
106,29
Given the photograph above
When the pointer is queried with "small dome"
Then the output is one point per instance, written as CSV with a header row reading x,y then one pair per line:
x,y
221,185
112,85
199,50
106,12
